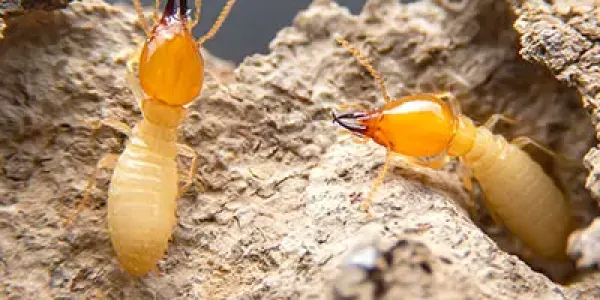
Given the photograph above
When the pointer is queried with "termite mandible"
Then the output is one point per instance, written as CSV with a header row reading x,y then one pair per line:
x,y
428,129
144,185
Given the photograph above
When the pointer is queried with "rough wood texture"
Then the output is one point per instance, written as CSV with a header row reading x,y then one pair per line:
x,y
279,209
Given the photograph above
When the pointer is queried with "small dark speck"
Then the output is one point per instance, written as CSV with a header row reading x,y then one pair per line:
x,y
446,260
57,279
426,267
401,243
343,173
558,291
355,197
65,126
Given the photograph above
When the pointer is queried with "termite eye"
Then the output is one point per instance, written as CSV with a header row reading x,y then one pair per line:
x,y
171,67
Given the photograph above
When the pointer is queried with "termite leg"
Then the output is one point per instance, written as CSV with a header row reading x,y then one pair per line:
x,y
452,101
365,205
217,79
114,124
360,139
355,138
186,150
523,141
466,177
217,25
493,120
364,61
108,161
132,79
436,163
141,18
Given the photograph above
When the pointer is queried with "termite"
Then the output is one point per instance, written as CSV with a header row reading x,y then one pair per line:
x,y
429,130
144,185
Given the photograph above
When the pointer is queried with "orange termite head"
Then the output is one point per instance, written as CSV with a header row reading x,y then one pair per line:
x,y
171,67
419,125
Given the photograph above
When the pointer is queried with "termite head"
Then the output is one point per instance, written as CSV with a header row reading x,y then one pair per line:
x,y
420,125
171,67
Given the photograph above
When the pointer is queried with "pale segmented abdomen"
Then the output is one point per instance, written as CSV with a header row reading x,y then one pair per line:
x,y
520,194
142,204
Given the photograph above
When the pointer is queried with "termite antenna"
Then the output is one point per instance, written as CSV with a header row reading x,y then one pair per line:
x,y
218,23
156,12
141,18
366,64
196,19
